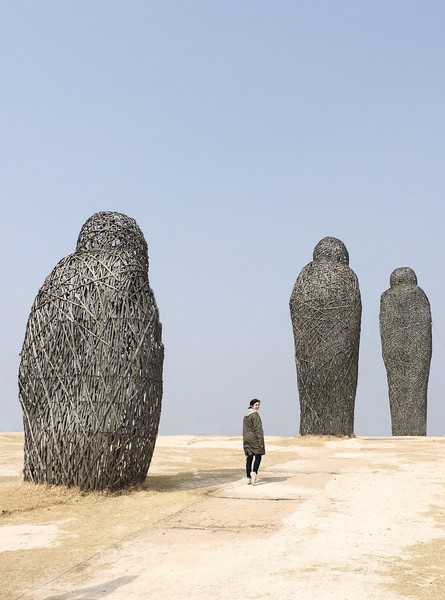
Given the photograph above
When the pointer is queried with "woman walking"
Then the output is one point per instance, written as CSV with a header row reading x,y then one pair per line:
x,y
253,440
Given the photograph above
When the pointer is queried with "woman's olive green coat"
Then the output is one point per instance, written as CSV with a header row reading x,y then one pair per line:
x,y
253,436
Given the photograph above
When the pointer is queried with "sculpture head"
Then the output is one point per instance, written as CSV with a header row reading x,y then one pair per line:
x,y
403,275
332,250
110,231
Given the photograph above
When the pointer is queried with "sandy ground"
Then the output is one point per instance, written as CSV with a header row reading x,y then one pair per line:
x,y
330,519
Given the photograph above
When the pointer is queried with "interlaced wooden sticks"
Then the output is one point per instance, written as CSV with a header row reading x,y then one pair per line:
x,y
325,308
90,376
110,231
405,330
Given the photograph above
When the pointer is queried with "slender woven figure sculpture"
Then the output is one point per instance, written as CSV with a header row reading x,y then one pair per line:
x,y
325,308
90,375
405,330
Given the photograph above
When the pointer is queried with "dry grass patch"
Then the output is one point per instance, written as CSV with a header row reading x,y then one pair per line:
x,y
86,523
421,574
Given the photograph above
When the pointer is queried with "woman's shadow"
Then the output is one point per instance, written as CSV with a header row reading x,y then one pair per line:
x,y
261,481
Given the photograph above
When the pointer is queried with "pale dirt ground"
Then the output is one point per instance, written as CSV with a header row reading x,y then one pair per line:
x,y
330,519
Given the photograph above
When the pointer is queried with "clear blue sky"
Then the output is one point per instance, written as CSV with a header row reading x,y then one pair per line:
x,y
237,134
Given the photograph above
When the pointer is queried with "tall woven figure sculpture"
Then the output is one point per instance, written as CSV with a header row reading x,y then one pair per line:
x,y
90,376
325,308
405,330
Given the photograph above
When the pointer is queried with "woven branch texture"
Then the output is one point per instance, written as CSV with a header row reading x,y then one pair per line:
x,y
90,375
405,330
325,308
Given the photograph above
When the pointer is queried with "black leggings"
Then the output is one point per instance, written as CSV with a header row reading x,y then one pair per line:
x,y
256,463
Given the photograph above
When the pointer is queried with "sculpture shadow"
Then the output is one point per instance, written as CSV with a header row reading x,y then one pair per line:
x,y
101,590
191,480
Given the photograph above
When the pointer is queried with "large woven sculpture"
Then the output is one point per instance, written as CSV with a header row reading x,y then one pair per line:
x,y
405,329
90,376
325,308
